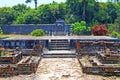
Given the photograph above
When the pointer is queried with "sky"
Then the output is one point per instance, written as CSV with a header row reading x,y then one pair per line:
x,y
9,3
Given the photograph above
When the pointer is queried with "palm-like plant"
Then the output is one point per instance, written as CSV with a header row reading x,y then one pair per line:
x,y
35,1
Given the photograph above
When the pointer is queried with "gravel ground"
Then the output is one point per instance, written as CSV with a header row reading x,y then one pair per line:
x,y
59,69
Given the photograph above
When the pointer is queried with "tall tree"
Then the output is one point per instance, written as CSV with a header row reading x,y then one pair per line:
x,y
35,1
6,16
84,10
30,17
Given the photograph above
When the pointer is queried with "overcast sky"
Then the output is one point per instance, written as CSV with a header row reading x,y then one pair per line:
x,y
4,3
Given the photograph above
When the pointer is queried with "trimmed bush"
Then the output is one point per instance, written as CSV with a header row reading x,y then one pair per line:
x,y
37,32
115,34
100,30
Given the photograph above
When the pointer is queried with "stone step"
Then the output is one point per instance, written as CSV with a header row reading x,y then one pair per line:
x,y
59,40
59,44
59,48
60,55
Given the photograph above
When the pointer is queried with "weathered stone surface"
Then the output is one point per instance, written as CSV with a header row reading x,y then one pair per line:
x,y
59,69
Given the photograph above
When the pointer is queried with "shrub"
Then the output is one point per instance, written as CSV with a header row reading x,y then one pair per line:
x,y
115,34
100,30
118,63
37,32
78,27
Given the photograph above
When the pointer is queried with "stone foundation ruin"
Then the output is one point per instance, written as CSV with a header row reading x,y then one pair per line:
x,y
99,57
15,61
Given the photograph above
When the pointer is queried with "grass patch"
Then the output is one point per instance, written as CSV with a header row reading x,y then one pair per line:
x,y
6,36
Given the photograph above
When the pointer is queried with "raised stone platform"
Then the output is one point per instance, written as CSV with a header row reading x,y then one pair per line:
x,y
28,42
24,37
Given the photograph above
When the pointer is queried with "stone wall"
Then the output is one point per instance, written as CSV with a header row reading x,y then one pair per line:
x,y
28,28
24,28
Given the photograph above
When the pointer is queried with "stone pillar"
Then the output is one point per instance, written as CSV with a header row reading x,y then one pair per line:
x,y
23,44
69,43
13,60
49,44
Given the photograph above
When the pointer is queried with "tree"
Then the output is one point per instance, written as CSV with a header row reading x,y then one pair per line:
x,y
115,26
74,11
84,10
6,16
35,1
30,17
45,14
102,16
78,10
112,12
19,9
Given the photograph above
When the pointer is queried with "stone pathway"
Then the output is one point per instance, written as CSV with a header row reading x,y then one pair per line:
x,y
59,69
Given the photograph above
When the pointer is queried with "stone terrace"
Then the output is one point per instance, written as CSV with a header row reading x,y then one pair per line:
x,y
24,37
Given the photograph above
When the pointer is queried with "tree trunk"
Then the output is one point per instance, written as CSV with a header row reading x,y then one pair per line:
x,y
35,4
84,8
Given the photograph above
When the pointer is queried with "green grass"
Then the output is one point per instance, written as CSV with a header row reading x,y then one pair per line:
x,y
5,35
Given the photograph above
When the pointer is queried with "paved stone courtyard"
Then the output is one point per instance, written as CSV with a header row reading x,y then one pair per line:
x,y
59,69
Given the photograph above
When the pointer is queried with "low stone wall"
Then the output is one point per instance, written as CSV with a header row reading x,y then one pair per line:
x,y
7,70
108,58
11,59
31,52
27,65
100,69
90,47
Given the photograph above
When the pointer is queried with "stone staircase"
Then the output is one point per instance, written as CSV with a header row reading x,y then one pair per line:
x,y
59,44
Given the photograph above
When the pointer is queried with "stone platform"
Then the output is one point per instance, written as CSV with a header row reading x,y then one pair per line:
x,y
28,42
24,37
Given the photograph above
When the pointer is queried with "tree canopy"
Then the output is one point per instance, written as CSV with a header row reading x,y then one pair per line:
x,y
91,11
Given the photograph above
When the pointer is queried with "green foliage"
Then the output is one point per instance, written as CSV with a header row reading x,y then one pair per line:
x,y
37,32
91,11
19,9
1,32
6,15
28,18
118,63
115,34
1,53
79,27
